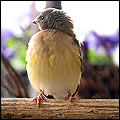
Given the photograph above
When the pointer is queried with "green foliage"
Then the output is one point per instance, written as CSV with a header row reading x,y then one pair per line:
x,y
97,58
18,61
10,42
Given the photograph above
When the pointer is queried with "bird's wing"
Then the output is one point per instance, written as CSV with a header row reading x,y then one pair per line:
x,y
80,52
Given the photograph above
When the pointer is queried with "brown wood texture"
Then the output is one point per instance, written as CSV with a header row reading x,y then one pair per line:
x,y
24,108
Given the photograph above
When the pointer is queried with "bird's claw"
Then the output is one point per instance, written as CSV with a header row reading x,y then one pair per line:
x,y
70,98
41,96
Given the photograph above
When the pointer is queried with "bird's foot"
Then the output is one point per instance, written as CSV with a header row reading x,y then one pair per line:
x,y
70,98
40,97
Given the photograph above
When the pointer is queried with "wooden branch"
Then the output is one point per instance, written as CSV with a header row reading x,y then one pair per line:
x,y
14,76
53,108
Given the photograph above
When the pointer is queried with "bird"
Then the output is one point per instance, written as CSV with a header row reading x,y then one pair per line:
x,y
54,56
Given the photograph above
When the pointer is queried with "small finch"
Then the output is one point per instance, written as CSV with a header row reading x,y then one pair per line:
x,y
54,60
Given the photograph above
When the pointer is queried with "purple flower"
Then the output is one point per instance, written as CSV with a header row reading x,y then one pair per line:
x,y
5,34
21,18
110,42
91,40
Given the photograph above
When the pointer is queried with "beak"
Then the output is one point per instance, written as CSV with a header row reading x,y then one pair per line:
x,y
34,21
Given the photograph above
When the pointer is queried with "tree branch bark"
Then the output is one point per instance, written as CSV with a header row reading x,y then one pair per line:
x,y
24,108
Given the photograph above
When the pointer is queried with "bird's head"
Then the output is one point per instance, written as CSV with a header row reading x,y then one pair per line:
x,y
52,18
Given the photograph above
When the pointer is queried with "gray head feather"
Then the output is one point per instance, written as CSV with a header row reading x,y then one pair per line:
x,y
52,18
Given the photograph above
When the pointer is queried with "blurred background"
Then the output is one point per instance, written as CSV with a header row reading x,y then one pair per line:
x,y
96,24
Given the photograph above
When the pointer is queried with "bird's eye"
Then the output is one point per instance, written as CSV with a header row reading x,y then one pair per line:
x,y
42,17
